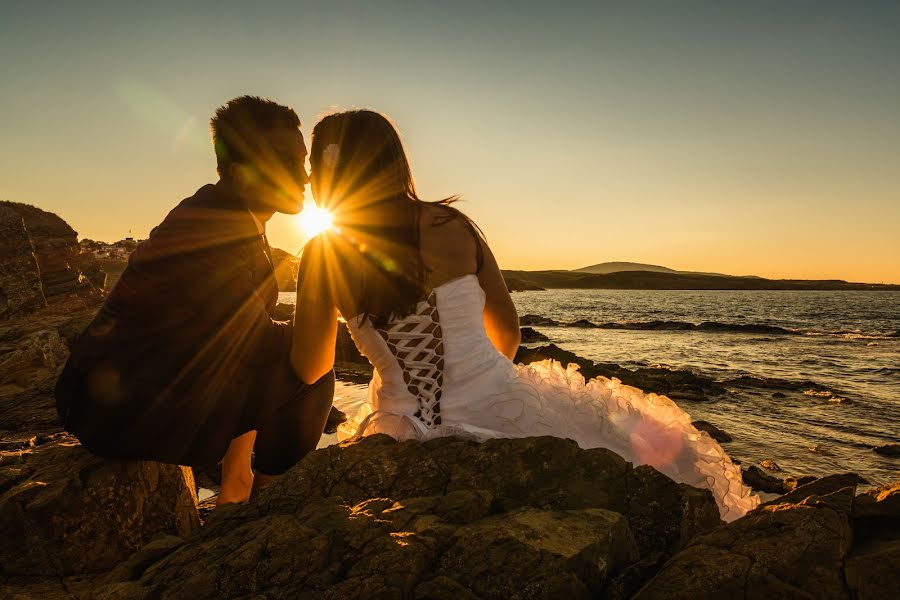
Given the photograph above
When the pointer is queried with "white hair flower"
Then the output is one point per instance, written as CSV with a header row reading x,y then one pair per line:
x,y
330,155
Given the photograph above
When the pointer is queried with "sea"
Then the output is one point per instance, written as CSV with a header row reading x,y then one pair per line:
x,y
844,342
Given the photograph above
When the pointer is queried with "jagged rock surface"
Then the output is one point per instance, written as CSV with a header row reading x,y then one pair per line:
x,y
20,278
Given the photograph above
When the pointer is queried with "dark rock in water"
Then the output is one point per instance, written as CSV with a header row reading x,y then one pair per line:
x,y
387,519
582,323
742,328
780,551
895,334
530,336
530,355
888,449
335,418
539,321
713,431
759,480
769,464
778,395
20,279
774,383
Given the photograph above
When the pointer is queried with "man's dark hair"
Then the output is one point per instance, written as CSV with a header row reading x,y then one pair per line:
x,y
239,129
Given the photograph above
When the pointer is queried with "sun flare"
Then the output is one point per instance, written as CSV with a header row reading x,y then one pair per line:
x,y
314,220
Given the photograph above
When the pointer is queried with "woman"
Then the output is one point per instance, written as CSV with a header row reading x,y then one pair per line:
x,y
426,303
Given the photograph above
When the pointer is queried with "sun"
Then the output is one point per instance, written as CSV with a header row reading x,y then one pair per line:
x,y
314,220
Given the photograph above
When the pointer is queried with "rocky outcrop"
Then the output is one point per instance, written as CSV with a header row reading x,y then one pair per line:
x,y
20,278
805,544
888,449
706,326
448,517
63,511
59,256
530,336
286,267
714,432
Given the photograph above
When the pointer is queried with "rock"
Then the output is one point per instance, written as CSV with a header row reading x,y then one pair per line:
x,y
56,249
376,517
539,321
286,267
552,554
779,551
335,418
529,336
819,487
521,285
769,464
888,449
794,481
20,278
778,395
882,502
582,323
33,358
873,572
68,512
530,355
713,431
761,481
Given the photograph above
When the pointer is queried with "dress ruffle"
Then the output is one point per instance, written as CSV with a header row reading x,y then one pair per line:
x,y
544,398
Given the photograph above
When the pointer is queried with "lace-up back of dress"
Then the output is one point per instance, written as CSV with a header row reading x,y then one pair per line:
x,y
416,341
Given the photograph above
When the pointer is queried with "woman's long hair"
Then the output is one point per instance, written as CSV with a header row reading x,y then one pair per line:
x,y
362,176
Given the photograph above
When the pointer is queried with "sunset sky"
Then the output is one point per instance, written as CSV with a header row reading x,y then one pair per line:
x,y
738,137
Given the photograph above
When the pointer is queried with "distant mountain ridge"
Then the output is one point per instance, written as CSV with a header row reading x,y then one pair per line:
x,y
668,279
606,268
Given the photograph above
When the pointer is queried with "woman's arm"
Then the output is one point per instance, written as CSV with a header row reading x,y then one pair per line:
x,y
500,317
315,316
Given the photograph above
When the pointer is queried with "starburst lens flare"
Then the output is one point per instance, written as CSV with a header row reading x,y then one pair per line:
x,y
314,220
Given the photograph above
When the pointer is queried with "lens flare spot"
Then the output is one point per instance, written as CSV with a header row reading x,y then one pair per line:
x,y
314,220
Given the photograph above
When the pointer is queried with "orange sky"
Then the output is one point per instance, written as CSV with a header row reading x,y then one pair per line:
x,y
759,139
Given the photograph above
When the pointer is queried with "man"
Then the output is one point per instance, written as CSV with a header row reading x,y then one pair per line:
x,y
184,363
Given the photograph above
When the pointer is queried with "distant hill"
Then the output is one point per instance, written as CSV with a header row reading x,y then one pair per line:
x,y
619,267
673,280
616,267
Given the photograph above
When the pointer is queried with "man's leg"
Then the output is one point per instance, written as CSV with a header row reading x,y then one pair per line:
x,y
293,431
237,477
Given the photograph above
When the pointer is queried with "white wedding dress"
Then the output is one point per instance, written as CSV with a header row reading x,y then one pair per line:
x,y
437,374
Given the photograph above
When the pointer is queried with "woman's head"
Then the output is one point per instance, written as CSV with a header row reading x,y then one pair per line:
x,y
358,164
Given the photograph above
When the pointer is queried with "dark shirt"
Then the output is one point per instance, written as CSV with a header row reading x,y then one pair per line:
x,y
166,365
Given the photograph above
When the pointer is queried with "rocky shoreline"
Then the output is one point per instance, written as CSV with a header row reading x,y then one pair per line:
x,y
533,517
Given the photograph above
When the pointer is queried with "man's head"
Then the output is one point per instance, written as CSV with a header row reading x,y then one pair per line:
x,y
260,152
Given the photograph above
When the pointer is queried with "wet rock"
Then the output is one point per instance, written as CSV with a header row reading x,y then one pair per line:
x,y
778,395
538,321
888,449
335,418
582,324
529,336
819,487
713,431
778,551
20,278
761,481
769,464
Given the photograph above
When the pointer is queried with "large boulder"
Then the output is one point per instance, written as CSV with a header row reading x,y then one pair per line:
x,y
792,547
64,511
286,267
56,248
20,277
449,517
